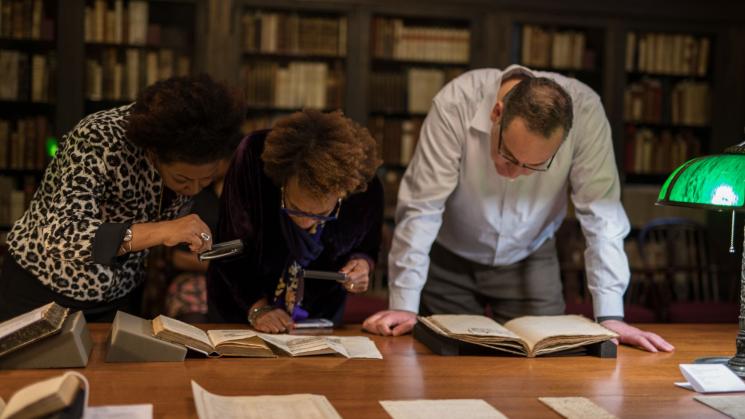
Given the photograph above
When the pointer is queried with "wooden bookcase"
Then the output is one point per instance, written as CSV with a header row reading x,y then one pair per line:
x,y
131,44
291,59
28,100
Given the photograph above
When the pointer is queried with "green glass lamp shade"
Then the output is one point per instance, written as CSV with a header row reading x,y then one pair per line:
x,y
714,182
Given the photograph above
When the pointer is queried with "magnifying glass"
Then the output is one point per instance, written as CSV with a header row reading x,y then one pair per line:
x,y
222,250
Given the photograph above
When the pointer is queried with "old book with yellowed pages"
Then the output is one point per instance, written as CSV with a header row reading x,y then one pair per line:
x,y
29,327
529,336
64,393
248,343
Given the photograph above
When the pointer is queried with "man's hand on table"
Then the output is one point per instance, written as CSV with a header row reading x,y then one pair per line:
x,y
390,322
630,335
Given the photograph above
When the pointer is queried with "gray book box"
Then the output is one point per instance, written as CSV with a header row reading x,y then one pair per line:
x,y
131,340
70,348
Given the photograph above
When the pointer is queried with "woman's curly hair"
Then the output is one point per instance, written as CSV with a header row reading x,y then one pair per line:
x,y
328,152
187,119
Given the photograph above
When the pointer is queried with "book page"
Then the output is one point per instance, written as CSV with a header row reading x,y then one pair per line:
x,y
440,409
311,406
9,326
534,329
358,346
463,324
299,345
218,337
180,328
129,411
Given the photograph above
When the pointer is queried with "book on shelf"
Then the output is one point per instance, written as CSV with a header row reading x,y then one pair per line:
x,y
651,152
395,39
63,396
559,49
25,19
528,336
248,343
291,33
120,75
212,406
652,101
26,77
14,200
396,138
296,85
29,327
23,142
670,54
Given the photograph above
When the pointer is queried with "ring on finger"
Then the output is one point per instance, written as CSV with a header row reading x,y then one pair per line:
x,y
205,236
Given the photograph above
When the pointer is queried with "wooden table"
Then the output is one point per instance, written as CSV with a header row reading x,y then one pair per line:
x,y
636,384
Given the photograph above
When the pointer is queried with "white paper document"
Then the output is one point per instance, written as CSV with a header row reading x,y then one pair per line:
x,y
732,406
132,411
212,406
710,378
441,409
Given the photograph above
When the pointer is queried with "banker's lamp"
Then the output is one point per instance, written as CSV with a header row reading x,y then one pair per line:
x,y
714,182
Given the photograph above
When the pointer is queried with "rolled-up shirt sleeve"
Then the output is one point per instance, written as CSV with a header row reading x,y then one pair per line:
x,y
429,180
596,197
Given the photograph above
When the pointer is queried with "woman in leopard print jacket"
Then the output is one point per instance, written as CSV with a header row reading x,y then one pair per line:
x,y
119,185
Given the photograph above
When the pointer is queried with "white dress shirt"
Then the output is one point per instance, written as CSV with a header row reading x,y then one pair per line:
x,y
451,192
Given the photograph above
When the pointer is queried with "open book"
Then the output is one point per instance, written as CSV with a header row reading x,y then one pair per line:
x,y
65,393
528,336
30,327
248,343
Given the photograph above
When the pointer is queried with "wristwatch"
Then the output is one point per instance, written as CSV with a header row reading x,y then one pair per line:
x,y
127,239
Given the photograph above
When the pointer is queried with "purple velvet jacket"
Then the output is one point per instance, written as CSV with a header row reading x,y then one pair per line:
x,y
250,210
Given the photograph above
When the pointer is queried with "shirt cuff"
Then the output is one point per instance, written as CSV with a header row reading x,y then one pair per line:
x,y
404,299
107,241
604,318
607,305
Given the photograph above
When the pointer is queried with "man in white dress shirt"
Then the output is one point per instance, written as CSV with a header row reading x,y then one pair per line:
x,y
485,192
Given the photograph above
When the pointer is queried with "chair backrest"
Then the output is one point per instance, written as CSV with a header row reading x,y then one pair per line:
x,y
675,252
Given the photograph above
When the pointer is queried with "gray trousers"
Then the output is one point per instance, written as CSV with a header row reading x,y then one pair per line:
x,y
456,285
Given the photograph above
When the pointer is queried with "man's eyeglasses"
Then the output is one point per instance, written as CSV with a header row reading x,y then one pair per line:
x,y
331,216
510,158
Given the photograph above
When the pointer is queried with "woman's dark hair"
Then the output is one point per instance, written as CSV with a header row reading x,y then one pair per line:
x,y
328,152
187,119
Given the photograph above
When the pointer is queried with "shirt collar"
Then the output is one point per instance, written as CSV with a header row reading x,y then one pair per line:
x,y
482,120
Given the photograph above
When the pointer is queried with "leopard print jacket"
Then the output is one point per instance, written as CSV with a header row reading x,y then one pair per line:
x,y
97,177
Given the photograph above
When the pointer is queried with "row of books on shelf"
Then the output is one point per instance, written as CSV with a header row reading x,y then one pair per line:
x,y
394,39
296,85
258,122
120,75
23,143
396,138
14,198
683,55
116,22
290,33
25,19
560,49
689,102
650,152
411,91
391,180
27,77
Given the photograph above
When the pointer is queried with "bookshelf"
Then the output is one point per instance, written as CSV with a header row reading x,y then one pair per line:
x,y
291,60
132,44
667,102
412,58
562,47
28,64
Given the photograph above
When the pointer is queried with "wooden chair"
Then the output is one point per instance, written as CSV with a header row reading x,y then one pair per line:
x,y
675,252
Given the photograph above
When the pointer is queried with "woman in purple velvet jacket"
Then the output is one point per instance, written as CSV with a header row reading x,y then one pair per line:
x,y
300,196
